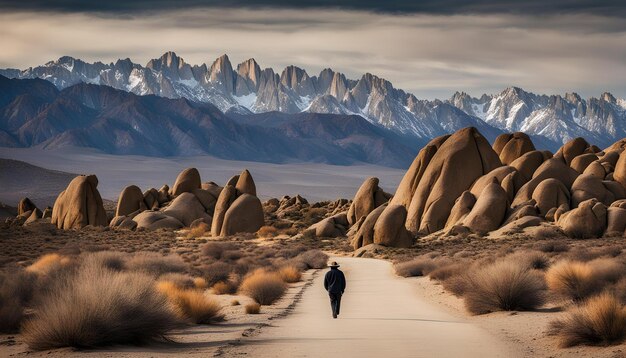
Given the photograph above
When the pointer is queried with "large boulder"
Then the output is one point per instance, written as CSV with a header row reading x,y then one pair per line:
x,y
164,194
212,188
572,149
187,181
462,206
79,205
489,210
245,214
551,168
528,163
245,183
186,208
389,229
365,233
619,175
25,205
460,160
581,162
367,198
550,193
207,199
413,176
596,169
226,198
129,201
498,174
151,198
616,218
510,146
332,226
586,187
588,220
152,220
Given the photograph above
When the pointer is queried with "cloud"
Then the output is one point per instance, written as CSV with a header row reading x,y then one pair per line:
x,y
615,8
429,55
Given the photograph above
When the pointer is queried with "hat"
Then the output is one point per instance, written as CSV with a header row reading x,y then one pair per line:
x,y
334,264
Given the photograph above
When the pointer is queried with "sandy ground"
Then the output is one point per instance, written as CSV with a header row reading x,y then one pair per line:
x,y
197,340
314,181
525,332
382,316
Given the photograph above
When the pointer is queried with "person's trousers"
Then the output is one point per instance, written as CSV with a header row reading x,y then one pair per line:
x,y
335,302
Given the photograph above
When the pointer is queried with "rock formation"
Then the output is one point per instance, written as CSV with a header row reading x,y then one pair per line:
x,y
79,205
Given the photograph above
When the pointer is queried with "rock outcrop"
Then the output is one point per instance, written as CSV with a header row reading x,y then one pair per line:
x,y
79,205
367,198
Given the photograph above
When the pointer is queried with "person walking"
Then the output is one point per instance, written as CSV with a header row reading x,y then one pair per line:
x,y
335,284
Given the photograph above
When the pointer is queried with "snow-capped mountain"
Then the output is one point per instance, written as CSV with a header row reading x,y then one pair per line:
x,y
556,118
247,89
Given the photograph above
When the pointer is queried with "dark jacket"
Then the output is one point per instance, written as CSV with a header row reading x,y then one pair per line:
x,y
335,281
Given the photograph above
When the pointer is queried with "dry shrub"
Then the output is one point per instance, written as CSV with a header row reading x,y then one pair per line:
x,y
16,289
96,306
267,231
457,285
49,263
192,304
179,280
198,231
225,287
155,263
214,250
532,259
552,246
420,266
571,279
445,272
253,308
312,259
290,274
607,270
263,287
216,272
235,303
109,259
200,283
601,320
503,286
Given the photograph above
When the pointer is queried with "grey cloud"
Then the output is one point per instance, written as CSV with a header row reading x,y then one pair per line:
x,y
615,8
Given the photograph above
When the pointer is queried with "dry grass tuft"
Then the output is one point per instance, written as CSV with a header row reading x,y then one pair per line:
x,y
267,231
49,263
228,287
155,263
235,303
571,279
503,286
601,320
312,259
420,266
290,274
198,231
96,306
200,283
16,289
192,304
263,287
253,308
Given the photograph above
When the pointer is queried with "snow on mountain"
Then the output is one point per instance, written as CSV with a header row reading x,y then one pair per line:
x,y
247,88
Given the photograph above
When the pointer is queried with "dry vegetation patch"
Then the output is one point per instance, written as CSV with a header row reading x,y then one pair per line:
x,y
263,287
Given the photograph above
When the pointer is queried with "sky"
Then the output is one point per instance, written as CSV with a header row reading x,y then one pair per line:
x,y
429,48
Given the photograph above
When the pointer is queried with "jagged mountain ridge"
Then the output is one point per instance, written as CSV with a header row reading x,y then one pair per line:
x,y
247,88
33,112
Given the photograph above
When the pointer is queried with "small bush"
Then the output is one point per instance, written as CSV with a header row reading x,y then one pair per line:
x,y
16,289
179,280
263,287
192,304
552,246
200,283
290,274
607,270
599,321
571,279
109,259
417,267
49,263
198,231
445,272
253,308
214,250
267,231
225,287
503,286
216,272
532,259
235,303
155,263
312,259
97,306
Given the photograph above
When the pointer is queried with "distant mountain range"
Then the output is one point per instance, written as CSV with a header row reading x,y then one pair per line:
x,y
33,112
248,89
